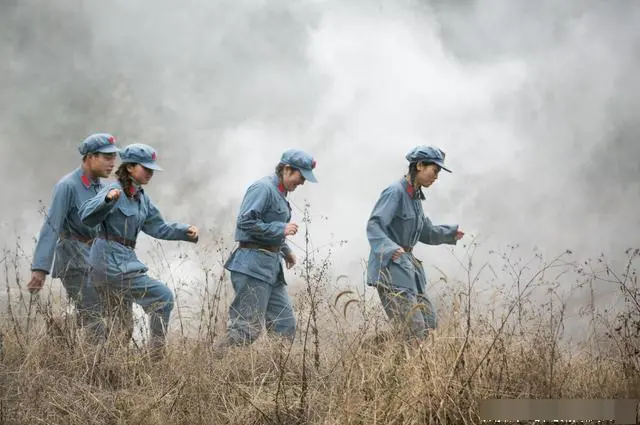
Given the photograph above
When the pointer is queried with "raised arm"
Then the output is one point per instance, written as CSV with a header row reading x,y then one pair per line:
x,y
51,228
155,226
438,234
95,210
251,211
379,220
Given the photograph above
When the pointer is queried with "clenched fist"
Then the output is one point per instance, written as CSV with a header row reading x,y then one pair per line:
x,y
291,229
192,233
113,195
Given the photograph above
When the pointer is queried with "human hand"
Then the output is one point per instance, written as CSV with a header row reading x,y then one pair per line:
x,y
113,195
290,260
192,233
290,229
37,281
398,252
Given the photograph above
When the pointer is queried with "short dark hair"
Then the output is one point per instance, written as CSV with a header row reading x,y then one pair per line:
x,y
280,168
86,155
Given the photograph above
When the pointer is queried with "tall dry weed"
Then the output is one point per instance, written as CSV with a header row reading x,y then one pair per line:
x,y
346,366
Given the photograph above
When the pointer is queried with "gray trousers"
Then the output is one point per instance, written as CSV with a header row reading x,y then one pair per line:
x,y
87,302
404,299
257,304
155,298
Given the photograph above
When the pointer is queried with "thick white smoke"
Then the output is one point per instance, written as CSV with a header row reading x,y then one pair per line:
x,y
535,105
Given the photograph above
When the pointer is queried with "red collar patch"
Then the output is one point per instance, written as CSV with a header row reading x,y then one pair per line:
x,y
132,190
410,190
281,188
85,181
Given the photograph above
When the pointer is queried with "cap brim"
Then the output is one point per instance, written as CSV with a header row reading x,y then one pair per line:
x,y
308,175
151,166
108,149
441,165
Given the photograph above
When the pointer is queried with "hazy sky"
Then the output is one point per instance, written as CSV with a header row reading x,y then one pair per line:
x,y
535,103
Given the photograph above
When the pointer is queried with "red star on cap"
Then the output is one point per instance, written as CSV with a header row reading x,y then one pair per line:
x,y
111,139
153,156
313,163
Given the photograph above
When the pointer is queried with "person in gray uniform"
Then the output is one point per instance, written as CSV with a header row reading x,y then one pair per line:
x,y
396,224
257,275
62,249
123,209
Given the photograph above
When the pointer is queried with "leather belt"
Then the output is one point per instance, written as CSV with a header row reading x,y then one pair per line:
x,y
250,245
122,241
407,248
83,239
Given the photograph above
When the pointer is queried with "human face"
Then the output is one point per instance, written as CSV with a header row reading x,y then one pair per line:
x,y
140,174
101,164
427,174
291,178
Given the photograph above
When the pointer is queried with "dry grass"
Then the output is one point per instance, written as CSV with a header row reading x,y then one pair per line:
x,y
345,366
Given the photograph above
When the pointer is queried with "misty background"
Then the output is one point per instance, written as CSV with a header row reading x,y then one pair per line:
x,y
535,104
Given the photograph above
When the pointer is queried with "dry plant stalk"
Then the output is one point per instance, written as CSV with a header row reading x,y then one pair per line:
x,y
508,347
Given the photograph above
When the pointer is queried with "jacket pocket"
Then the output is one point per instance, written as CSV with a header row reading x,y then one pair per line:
x,y
258,263
129,217
404,226
127,210
277,213
405,216
265,264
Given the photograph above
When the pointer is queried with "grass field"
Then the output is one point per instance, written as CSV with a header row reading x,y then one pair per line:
x,y
500,339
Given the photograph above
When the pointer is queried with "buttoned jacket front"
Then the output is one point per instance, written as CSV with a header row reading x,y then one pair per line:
x,y
125,218
264,214
398,220
62,244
